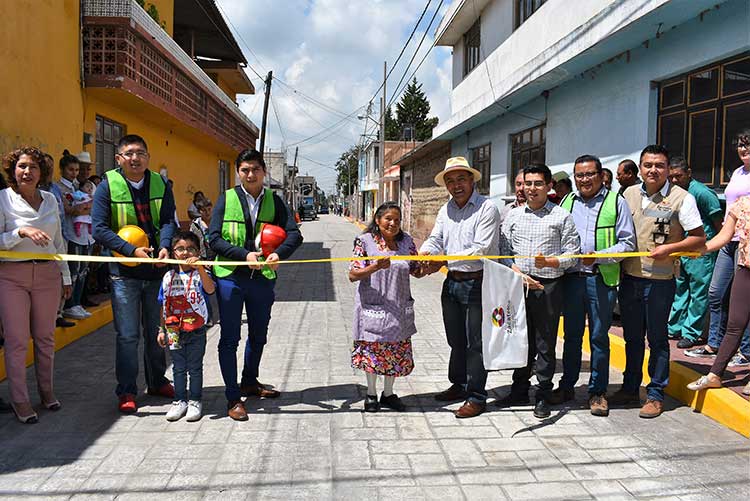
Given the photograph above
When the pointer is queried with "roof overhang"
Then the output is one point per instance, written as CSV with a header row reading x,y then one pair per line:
x,y
231,72
198,24
457,20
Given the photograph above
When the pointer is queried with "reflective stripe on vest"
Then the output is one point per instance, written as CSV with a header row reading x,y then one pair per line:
x,y
121,201
234,227
605,235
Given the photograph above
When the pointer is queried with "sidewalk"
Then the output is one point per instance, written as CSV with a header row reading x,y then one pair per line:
x,y
315,443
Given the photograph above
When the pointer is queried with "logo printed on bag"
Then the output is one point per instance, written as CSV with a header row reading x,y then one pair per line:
x,y
498,316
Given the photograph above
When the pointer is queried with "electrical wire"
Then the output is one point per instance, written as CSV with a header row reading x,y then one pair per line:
x,y
237,32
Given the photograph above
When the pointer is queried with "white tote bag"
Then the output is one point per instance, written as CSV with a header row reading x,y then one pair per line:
x,y
505,343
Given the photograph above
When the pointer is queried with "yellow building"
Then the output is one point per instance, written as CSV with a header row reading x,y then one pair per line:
x,y
79,74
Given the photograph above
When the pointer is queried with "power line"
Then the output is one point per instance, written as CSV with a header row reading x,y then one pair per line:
x,y
337,124
313,100
278,121
239,35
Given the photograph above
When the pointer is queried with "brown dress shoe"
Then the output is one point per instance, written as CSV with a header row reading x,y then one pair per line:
x,y
452,394
470,409
651,409
237,410
598,405
259,390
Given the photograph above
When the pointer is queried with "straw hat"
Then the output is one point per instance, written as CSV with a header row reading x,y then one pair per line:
x,y
84,157
453,164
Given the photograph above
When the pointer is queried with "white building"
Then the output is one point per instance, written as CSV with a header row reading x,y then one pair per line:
x,y
549,80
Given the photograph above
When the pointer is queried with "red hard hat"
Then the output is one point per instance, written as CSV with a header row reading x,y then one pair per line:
x,y
269,238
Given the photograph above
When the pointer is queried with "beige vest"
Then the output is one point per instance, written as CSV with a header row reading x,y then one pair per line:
x,y
657,224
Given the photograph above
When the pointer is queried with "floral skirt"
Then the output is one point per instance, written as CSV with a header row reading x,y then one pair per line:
x,y
385,359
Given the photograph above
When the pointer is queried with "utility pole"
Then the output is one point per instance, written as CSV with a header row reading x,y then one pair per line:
x,y
381,183
264,124
294,181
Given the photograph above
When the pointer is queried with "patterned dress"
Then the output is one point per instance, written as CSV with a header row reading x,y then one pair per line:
x,y
384,309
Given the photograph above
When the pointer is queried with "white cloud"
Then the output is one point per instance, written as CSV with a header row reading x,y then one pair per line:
x,y
332,51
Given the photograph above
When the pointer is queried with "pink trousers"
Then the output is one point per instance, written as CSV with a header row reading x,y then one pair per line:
x,y
30,294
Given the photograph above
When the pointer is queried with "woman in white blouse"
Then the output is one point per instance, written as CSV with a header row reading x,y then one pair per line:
x,y
30,222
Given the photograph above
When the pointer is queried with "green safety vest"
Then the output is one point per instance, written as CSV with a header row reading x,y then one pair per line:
x,y
121,200
605,235
234,228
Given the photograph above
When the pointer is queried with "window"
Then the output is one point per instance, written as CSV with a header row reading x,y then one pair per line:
x,y
525,8
481,162
108,133
527,147
471,48
223,176
700,113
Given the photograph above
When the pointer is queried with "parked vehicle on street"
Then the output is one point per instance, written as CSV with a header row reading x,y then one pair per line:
x,y
307,212
323,209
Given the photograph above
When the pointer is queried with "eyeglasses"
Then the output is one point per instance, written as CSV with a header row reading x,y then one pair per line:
x,y
745,146
586,175
133,154
182,250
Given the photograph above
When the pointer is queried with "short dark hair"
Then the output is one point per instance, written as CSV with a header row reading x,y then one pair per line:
x,y
249,155
538,169
67,159
655,149
679,162
588,158
131,139
743,136
629,166
607,171
373,226
203,203
95,179
11,159
185,235
567,182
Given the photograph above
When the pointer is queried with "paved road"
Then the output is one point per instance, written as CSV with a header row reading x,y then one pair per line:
x,y
315,443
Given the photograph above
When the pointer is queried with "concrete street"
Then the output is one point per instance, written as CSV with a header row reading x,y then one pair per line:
x,y
316,443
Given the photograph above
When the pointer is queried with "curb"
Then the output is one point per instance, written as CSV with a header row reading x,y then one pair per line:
x,y
720,404
100,316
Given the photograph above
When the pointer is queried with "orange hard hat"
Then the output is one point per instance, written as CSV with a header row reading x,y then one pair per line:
x,y
269,238
133,235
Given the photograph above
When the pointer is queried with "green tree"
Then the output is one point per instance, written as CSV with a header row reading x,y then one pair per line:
x,y
413,110
392,129
348,170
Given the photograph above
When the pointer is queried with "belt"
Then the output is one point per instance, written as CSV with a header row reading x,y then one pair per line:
x,y
582,274
462,276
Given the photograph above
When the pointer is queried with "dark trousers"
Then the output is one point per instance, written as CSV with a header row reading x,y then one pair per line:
x,y
644,306
543,309
188,361
739,316
256,296
462,317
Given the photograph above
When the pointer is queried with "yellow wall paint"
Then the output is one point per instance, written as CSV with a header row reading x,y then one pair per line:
x,y
191,159
42,103
166,13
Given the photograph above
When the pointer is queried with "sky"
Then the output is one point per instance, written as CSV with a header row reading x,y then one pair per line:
x,y
332,52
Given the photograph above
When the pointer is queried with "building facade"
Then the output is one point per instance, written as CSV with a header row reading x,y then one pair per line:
x,y
539,81
96,70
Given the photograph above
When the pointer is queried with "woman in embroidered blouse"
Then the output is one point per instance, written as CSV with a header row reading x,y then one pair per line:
x,y
383,306
737,222
30,222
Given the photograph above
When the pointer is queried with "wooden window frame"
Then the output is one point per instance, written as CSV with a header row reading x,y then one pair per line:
x,y
689,127
724,139
721,79
100,139
719,69
534,146
484,183
670,84
475,32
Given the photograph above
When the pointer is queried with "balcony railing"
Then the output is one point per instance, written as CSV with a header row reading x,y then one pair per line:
x,y
124,48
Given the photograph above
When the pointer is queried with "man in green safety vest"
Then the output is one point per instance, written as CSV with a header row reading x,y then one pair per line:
x,y
237,219
134,195
605,225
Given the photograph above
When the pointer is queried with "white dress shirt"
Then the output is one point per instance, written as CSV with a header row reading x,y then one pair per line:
x,y
689,215
253,204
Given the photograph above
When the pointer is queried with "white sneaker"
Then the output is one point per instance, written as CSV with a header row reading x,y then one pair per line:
x,y
74,313
194,410
178,409
704,383
82,311
738,360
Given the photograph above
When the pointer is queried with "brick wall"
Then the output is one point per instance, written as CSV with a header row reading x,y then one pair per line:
x,y
427,197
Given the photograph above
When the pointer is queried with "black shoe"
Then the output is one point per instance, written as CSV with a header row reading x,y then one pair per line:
x,y
89,303
685,343
372,404
674,336
541,409
561,395
512,399
62,322
5,407
392,402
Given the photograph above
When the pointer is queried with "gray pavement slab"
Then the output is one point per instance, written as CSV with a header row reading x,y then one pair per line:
x,y
316,443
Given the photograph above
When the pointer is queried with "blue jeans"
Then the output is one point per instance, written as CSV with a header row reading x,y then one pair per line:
x,y
645,305
78,272
255,295
718,299
587,297
188,360
135,307
462,317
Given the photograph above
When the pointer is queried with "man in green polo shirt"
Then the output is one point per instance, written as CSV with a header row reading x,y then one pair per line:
x,y
690,305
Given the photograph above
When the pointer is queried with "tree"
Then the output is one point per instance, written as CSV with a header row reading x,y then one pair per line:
x,y
392,129
412,110
348,170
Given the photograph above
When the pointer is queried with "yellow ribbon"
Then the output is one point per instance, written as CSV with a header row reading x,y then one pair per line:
x,y
27,256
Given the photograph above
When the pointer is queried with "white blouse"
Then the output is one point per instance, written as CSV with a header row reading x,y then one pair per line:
x,y
16,213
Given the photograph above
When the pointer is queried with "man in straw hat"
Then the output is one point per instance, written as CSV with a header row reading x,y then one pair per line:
x,y
466,225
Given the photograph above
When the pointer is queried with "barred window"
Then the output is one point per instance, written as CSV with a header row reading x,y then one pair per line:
x,y
525,8
472,40
108,134
481,161
527,147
